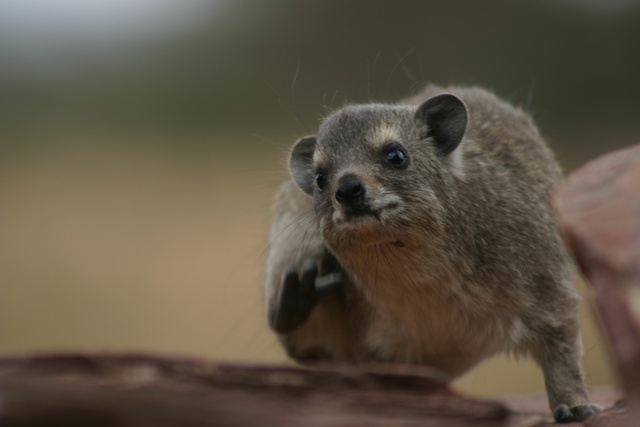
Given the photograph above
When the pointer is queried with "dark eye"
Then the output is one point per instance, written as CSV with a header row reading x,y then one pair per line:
x,y
321,180
396,156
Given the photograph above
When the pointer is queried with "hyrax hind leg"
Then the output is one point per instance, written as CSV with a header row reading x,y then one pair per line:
x,y
557,348
299,296
310,313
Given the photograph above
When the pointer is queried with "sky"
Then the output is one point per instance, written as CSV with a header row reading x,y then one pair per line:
x,y
38,21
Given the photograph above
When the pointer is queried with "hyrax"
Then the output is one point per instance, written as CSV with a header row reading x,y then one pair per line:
x,y
421,233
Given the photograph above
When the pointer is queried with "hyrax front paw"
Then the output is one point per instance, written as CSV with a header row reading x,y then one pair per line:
x,y
566,414
299,295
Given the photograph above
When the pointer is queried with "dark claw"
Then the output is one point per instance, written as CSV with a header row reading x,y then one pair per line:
x,y
328,283
285,317
299,296
308,297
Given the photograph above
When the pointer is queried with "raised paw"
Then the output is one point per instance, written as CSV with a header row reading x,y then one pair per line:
x,y
566,414
299,295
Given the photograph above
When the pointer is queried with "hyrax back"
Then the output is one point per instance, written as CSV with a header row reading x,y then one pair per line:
x,y
421,233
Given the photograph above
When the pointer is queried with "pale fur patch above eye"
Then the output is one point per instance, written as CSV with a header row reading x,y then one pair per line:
x,y
385,133
320,157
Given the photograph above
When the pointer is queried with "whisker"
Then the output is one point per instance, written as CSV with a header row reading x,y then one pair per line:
x,y
395,67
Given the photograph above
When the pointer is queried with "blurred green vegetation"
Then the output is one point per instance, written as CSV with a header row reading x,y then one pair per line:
x,y
273,68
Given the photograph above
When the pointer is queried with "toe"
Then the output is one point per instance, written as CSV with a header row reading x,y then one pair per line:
x,y
562,414
582,412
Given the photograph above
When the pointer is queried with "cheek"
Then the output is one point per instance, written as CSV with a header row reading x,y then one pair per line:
x,y
323,205
327,231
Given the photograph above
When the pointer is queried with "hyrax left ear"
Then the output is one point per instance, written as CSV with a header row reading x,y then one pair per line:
x,y
445,119
301,163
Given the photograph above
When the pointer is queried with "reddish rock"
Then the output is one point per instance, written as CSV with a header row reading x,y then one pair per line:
x,y
127,391
141,391
599,211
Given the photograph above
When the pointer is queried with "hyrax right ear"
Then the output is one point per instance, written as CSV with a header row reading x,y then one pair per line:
x,y
445,118
301,163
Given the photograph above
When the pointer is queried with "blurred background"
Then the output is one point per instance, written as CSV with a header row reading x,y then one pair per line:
x,y
141,142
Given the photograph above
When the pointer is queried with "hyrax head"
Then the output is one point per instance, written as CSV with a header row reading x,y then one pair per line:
x,y
377,170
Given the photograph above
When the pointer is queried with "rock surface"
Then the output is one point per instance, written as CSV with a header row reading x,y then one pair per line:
x,y
141,391
151,391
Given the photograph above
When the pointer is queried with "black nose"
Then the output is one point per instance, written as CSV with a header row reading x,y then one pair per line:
x,y
350,190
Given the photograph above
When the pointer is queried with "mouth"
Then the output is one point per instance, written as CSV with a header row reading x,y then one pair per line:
x,y
353,214
366,226
363,214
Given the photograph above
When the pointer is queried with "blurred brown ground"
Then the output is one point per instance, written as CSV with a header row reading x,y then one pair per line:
x,y
125,250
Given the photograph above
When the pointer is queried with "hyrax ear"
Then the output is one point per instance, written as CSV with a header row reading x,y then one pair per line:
x,y
445,118
301,163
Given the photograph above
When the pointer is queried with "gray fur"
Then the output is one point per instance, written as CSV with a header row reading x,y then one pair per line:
x,y
460,258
